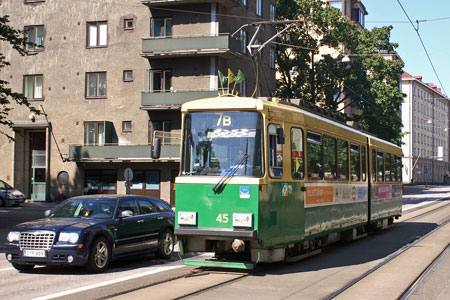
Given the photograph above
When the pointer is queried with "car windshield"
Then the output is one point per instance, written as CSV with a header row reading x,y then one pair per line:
x,y
85,208
4,185
217,142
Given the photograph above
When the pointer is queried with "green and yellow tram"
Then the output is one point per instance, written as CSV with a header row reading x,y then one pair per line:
x,y
263,181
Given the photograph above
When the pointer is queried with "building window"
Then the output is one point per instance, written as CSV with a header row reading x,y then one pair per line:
x,y
243,33
259,7
272,58
33,1
100,182
127,126
160,81
96,85
33,87
336,4
127,75
358,16
161,129
128,24
94,133
272,12
97,35
35,37
161,27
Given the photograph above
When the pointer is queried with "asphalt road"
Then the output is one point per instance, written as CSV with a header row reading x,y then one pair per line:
x,y
290,280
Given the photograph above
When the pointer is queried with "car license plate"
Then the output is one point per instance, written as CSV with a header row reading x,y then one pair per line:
x,y
34,253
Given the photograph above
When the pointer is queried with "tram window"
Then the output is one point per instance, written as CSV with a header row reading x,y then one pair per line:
x,y
329,157
297,160
393,168
355,162
364,163
398,165
342,161
275,152
387,172
380,166
374,166
314,155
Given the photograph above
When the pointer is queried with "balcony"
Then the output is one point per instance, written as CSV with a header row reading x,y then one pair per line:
x,y
166,47
159,3
152,100
118,153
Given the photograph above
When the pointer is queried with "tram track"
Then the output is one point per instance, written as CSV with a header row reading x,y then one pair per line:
x,y
207,279
391,257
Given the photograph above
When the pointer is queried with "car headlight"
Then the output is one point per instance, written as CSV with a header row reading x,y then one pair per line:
x,y
13,236
71,237
187,218
242,220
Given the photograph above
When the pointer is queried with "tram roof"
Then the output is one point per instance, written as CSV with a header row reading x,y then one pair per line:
x,y
247,103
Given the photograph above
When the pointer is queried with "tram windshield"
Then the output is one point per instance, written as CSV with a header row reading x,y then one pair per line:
x,y
222,143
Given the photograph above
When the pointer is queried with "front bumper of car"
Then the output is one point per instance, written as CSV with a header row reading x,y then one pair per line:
x,y
57,255
15,200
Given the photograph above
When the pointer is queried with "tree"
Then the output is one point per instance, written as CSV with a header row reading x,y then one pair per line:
x,y
309,58
17,40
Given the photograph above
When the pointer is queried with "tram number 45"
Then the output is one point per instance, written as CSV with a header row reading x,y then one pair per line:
x,y
222,218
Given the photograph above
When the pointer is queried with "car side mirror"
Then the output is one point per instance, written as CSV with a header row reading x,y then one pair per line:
x,y
47,212
126,213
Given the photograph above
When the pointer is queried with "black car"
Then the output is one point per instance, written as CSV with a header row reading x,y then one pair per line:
x,y
91,230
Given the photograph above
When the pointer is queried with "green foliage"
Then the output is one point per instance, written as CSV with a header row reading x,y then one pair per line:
x,y
17,40
369,82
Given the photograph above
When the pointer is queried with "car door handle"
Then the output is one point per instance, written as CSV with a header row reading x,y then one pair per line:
x,y
160,218
140,221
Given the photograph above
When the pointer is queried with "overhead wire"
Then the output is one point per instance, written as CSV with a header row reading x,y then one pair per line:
x,y
423,45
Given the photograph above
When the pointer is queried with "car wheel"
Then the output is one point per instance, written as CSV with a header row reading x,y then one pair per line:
x,y
166,244
22,268
99,256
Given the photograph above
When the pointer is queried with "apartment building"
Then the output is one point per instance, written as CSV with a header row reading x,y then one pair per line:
x,y
425,116
112,74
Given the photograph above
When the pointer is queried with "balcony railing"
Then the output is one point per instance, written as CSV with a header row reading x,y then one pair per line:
x,y
175,98
194,45
156,3
120,152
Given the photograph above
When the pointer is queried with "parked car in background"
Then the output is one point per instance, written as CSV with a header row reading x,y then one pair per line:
x,y
10,194
91,230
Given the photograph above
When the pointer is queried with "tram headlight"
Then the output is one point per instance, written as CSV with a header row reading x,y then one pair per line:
x,y
242,220
187,218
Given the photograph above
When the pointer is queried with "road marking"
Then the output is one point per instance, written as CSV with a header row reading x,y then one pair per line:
x,y
6,269
93,286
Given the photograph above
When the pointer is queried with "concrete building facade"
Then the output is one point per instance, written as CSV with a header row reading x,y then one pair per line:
x,y
425,116
112,74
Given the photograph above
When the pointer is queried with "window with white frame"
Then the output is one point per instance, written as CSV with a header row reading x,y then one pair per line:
x,y
96,85
128,24
97,34
160,81
94,133
161,27
128,75
33,86
35,37
127,126
259,7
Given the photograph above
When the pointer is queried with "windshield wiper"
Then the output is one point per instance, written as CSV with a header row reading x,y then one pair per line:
x,y
230,173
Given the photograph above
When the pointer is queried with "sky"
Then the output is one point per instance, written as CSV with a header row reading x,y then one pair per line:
x,y
435,35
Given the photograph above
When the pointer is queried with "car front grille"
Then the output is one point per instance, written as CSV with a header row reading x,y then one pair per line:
x,y
36,240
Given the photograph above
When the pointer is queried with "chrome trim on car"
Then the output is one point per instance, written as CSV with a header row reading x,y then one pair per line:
x,y
36,240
